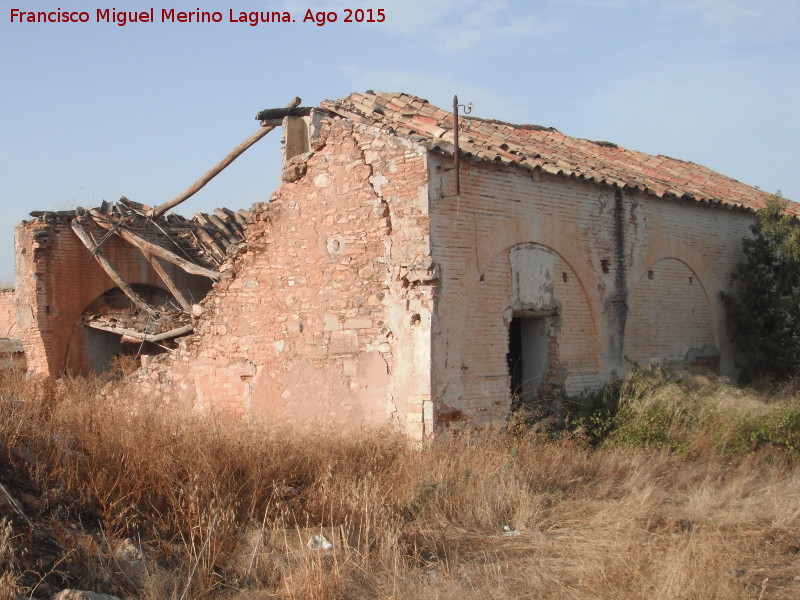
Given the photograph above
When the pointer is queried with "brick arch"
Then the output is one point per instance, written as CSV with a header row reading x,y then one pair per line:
x,y
91,350
57,281
670,318
485,376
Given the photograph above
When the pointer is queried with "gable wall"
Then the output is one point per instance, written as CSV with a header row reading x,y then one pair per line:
x,y
604,320
324,312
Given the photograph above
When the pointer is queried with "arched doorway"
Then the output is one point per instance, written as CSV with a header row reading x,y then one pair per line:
x,y
529,333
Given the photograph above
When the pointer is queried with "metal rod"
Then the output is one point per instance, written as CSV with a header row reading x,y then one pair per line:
x,y
455,144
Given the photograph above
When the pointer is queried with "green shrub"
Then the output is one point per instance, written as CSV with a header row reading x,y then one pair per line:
x,y
592,414
654,411
427,492
779,430
764,307
653,408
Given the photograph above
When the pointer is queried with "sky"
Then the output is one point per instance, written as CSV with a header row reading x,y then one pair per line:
x,y
94,111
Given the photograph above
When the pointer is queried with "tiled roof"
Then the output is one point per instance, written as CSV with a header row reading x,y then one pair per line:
x,y
204,239
545,148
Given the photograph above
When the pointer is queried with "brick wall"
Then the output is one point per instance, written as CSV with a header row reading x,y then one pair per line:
x,y
609,311
670,316
56,283
8,315
328,310
324,311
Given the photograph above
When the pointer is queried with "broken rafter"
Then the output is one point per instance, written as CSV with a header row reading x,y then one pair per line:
x,y
216,170
93,248
155,262
150,248
145,337
138,208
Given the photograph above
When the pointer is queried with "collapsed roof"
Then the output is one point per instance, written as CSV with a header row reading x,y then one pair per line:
x,y
201,241
197,245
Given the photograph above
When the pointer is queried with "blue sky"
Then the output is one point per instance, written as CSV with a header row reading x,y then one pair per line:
x,y
95,111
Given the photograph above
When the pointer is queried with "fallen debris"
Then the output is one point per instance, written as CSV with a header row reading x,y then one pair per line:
x,y
319,542
81,595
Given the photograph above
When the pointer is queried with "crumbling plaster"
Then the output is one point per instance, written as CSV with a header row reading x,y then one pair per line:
x,y
324,311
366,291
604,242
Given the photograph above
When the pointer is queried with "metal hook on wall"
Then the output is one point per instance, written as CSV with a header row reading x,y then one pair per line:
x,y
467,110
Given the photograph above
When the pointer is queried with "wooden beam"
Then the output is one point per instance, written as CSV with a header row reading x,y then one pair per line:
x,y
145,337
155,262
150,248
217,169
90,244
274,114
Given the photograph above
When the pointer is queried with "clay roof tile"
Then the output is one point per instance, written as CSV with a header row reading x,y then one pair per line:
x,y
534,146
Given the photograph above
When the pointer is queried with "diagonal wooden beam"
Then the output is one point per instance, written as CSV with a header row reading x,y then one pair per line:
x,y
176,292
150,248
216,170
90,244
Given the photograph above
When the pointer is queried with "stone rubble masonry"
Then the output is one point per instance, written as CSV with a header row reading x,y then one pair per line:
x,y
324,312
366,291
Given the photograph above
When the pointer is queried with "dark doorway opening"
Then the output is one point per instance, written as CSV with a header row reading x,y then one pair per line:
x,y
527,357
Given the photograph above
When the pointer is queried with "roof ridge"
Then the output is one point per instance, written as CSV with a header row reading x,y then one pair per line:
x,y
545,148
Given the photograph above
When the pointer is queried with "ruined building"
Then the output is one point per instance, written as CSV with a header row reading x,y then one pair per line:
x,y
385,280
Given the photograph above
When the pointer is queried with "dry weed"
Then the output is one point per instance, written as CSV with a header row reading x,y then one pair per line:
x,y
215,508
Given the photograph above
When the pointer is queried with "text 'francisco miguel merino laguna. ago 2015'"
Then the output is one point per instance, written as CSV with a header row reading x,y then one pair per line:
x,y
170,15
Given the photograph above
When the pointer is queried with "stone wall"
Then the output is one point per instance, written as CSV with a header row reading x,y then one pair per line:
x,y
366,291
622,278
324,311
336,308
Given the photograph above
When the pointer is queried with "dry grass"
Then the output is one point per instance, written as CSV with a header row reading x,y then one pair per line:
x,y
155,504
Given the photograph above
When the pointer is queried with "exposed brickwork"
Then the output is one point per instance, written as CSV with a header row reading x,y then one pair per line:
x,y
56,282
324,313
670,315
366,291
545,149
8,315
500,209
